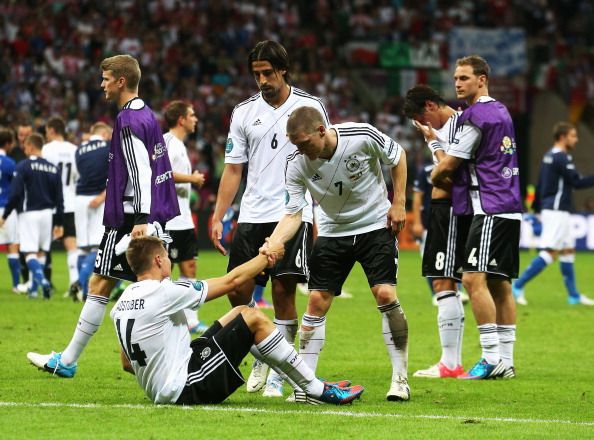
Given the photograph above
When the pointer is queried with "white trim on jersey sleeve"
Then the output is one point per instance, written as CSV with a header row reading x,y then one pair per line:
x,y
467,139
139,170
388,151
295,187
183,294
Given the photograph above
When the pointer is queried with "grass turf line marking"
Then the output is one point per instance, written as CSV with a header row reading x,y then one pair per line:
x,y
288,412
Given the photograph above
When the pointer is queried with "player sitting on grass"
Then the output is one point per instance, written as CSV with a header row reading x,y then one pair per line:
x,y
156,346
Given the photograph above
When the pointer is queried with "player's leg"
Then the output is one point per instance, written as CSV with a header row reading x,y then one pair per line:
x,y
566,260
506,322
555,230
444,252
246,243
331,261
293,268
492,249
9,236
378,254
273,349
70,246
108,267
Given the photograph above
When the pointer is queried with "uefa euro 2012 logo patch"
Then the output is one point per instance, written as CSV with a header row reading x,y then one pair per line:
x,y
229,145
508,146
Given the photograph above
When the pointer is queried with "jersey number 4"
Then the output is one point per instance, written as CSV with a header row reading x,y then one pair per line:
x,y
133,351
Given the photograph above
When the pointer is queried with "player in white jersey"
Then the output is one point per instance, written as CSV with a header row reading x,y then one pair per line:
x,y
156,345
61,153
446,234
258,139
341,166
181,121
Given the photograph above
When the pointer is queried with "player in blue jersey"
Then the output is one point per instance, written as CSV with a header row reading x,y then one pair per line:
x,y
92,158
557,180
140,190
8,234
35,192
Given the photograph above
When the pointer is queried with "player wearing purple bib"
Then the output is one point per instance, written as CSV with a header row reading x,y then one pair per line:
x,y
487,185
140,190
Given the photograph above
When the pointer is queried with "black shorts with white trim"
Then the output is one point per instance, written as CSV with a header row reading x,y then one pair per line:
x,y
445,242
213,370
493,246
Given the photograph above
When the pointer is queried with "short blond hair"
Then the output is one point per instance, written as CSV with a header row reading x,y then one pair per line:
x,y
141,251
125,66
304,120
100,128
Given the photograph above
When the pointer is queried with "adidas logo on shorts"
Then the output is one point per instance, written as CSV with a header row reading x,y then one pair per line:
x,y
119,267
257,122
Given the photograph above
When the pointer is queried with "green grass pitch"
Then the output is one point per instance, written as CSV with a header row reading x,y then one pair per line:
x,y
552,396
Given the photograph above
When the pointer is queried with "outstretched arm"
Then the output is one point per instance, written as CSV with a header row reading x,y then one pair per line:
x,y
237,277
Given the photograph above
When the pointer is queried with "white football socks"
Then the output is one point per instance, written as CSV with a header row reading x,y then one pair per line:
x,y
489,342
450,323
89,321
311,342
507,337
275,351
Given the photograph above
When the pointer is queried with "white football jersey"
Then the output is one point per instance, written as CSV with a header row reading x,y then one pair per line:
x,y
180,163
153,332
61,154
349,187
258,136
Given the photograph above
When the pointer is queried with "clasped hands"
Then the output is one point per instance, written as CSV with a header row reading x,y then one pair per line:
x,y
273,250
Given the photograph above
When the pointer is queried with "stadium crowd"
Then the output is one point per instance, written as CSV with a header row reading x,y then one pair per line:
x,y
195,50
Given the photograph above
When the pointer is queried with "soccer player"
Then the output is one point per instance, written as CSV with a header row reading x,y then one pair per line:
x,y
341,166
8,234
140,190
17,153
35,191
481,166
155,342
258,139
60,152
558,178
181,121
446,233
91,159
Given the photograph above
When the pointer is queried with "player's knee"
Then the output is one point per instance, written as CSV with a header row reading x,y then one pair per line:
x,y
384,294
443,284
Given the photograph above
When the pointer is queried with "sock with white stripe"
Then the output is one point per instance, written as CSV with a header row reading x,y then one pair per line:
x,y
489,342
275,351
538,264
72,260
287,328
89,321
395,331
450,322
311,342
14,264
507,337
